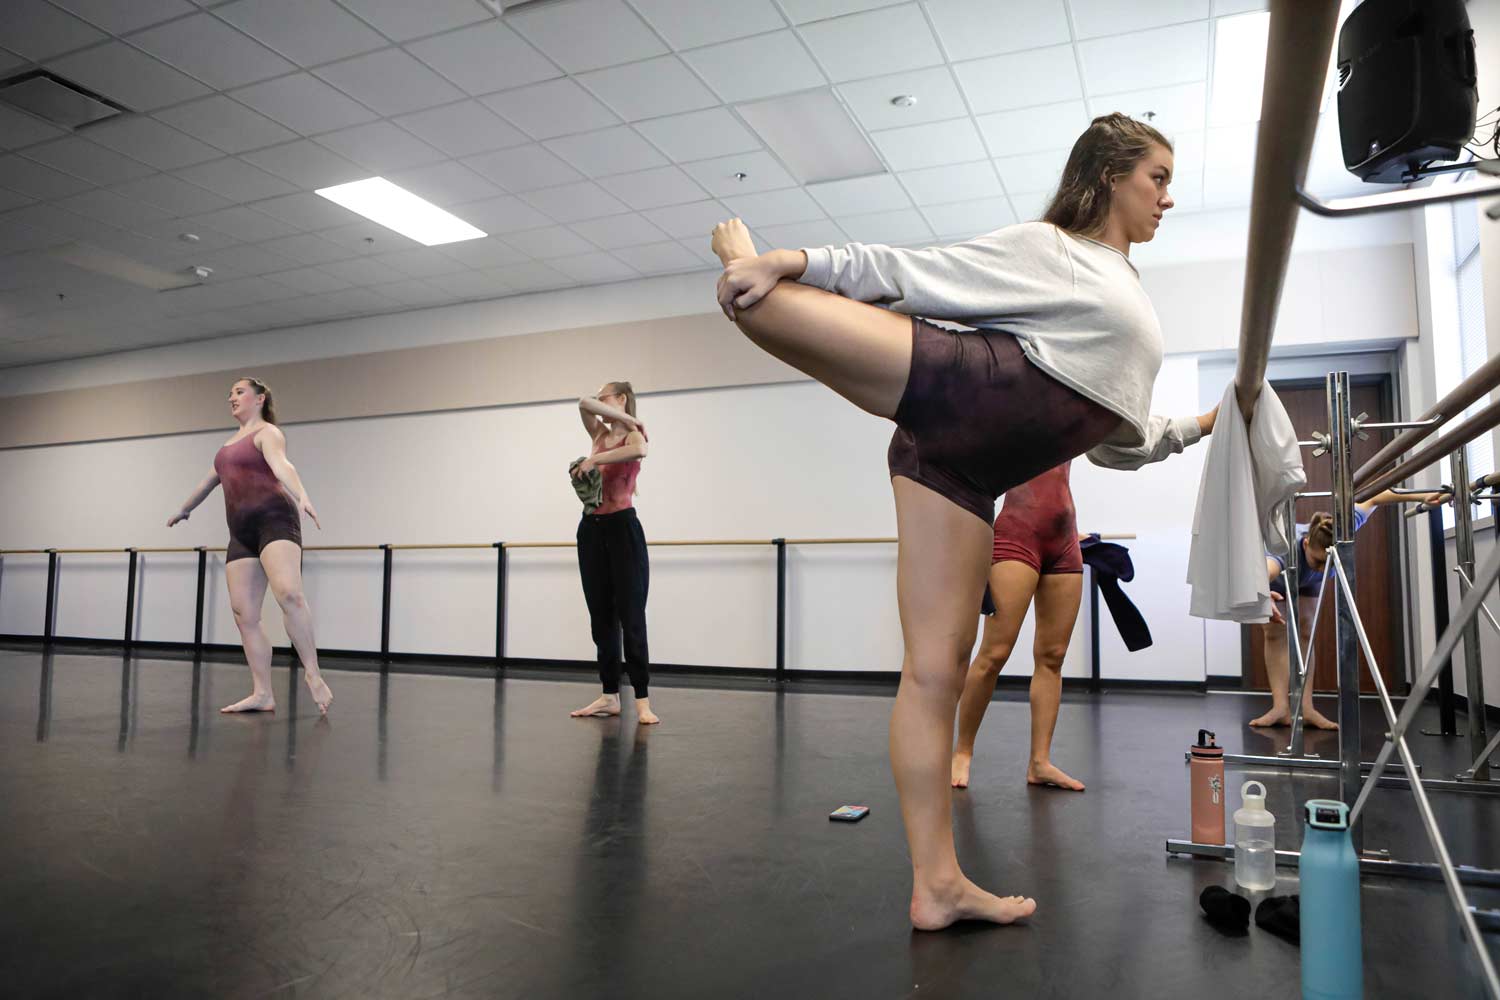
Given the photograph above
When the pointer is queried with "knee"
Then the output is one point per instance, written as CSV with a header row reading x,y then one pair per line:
x,y
936,670
992,659
245,616
292,602
1050,656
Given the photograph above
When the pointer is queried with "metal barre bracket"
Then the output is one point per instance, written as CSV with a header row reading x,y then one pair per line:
x,y
1410,197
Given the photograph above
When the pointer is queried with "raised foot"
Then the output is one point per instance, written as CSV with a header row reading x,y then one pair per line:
x,y
254,703
1051,776
934,908
321,693
600,707
960,773
731,241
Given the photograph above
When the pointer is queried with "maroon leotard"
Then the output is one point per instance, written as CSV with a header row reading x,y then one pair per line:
x,y
258,508
1038,525
618,479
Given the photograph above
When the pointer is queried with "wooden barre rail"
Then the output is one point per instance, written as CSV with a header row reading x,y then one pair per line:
x,y
1485,378
1480,423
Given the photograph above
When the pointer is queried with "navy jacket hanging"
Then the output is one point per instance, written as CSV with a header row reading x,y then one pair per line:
x,y
1110,564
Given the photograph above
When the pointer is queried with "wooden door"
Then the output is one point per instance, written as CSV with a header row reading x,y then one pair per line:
x,y
1377,562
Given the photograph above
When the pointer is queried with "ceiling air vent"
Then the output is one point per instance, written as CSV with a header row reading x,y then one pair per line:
x,y
56,100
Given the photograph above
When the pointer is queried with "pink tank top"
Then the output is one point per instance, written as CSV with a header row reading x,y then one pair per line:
x,y
618,480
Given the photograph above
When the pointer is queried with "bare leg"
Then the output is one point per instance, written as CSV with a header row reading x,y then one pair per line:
x,y
861,352
1011,587
940,576
1058,597
1278,675
247,592
282,561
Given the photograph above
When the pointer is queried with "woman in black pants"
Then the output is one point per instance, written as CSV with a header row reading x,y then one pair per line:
x,y
612,549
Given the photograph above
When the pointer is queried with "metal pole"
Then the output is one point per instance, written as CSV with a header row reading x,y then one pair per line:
x,y
1463,538
780,544
51,595
1346,639
385,603
1437,542
1093,629
198,616
500,568
1296,662
130,600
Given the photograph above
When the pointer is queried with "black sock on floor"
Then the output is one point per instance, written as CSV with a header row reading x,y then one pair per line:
x,y
1229,912
1282,916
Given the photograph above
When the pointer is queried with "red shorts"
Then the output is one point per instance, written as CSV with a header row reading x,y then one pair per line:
x,y
1038,525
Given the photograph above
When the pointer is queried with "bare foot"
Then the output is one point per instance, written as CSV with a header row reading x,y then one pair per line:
x,y
1275,717
731,241
321,693
604,705
961,762
935,907
255,703
1051,775
1316,719
646,717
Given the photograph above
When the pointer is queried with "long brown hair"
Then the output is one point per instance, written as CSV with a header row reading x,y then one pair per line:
x,y
628,391
1110,147
268,409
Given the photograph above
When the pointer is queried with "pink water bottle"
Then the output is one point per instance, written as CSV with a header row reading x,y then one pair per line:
x,y
1206,778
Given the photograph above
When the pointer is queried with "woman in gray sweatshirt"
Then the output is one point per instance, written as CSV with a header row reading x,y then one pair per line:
x,y
1062,363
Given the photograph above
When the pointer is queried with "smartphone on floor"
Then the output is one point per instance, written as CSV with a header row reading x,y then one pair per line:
x,y
849,814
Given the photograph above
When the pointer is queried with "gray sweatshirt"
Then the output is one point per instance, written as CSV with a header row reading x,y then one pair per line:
x,y
1075,305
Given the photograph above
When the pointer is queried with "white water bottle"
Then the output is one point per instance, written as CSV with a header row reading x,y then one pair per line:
x,y
1254,841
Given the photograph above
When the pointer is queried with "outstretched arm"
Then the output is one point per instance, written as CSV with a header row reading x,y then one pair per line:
x,y
272,445
200,493
1164,436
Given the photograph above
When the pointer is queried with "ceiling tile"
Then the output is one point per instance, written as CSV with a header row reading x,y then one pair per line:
x,y
235,179
212,51
1021,79
1229,165
572,202
1032,172
649,89
796,235
966,219
1174,109
1033,130
269,315
687,24
245,260
357,302
609,151
1179,54
462,129
12,199
802,11
873,43
489,252
1222,7
969,29
17,129
506,214
595,267
930,145
119,18
653,188
221,122
244,224
695,220
304,103
307,211
964,182
699,135
128,76
524,168
112,209
389,82
151,142
446,183
587,34
552,241
617,231
1029,207
424,262
169,234
84,159
938,98
905,226
414,293
308,32
860,195
39,31
362,271
1094,18
554,108
531,276
484,58
763,66
380,146
403,20
175,196
309,248
468,285
772,208
307,164
762,173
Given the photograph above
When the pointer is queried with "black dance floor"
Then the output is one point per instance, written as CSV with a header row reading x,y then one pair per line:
x,y
459,836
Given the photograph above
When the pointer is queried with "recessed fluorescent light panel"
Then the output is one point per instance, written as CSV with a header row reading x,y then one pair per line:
x,y
378,200
1240,66
814,136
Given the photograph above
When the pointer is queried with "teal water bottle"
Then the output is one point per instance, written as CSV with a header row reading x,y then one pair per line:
x,y
1332,966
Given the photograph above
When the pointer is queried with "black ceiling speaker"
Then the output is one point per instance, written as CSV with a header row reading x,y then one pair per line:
x,y
1407,86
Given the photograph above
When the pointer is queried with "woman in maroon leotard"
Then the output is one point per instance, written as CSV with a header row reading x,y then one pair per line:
x,y
1036,559
263,500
